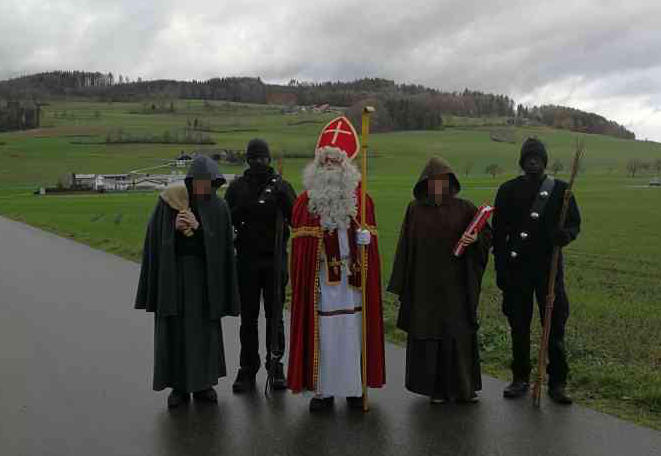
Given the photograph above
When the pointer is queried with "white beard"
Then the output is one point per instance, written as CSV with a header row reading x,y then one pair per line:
x,y
331,189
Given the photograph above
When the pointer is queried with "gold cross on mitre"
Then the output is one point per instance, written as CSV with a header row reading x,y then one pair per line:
x,y
339,133
337,130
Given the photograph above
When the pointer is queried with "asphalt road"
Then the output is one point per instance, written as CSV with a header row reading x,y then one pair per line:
x,y
75,379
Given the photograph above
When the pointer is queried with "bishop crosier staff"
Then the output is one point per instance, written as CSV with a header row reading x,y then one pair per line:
x,y
367,111
334,351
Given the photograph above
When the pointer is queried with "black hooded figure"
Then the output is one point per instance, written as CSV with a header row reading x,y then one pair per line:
x,y
259,200
189,282
439,292
525,231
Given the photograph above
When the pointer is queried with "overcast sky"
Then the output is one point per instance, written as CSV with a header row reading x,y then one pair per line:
x,y
599,55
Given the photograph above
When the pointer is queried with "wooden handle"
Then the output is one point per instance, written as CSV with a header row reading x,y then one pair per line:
x,y
363,251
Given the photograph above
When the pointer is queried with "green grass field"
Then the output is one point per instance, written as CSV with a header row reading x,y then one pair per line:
x,y
613,269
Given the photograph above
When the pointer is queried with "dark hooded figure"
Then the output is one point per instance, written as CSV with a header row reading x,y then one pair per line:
x,y
188,279
525,232
439,292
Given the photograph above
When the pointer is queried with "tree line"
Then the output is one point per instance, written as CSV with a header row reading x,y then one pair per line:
x,y
572,119
404,106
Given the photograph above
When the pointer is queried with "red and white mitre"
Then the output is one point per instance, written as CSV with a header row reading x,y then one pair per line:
x,y
339,134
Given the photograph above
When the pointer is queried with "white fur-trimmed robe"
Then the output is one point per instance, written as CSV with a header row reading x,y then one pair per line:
x,y
340,332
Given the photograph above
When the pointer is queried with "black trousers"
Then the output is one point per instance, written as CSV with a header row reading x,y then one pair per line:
x,y
256,280
524,283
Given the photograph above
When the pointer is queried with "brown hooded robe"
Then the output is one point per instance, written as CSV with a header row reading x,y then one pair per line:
x,y
439,292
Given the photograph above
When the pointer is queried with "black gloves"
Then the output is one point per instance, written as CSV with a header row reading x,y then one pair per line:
x,y
562,237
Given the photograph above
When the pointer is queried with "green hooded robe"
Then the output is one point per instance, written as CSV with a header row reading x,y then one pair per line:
x,y
189,284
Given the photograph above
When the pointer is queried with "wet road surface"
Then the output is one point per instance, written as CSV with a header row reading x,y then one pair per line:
x,y
75,379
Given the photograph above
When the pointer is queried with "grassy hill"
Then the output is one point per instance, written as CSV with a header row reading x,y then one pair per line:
x,y
613,272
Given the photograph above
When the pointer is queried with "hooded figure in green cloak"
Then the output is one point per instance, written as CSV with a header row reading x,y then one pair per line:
x,y
188,280
438,292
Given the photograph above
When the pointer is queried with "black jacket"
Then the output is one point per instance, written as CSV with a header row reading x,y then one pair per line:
x,y
254,222
513,206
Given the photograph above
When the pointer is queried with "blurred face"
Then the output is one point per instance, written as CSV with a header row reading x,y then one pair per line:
x,y
438,188
201,187
259,162
331,162
533,166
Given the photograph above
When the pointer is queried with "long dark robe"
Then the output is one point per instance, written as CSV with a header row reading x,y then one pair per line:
x,y
190,284
439,293
188,348
157,286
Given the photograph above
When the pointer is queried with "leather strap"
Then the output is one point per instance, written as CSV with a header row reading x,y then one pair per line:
x,y
519,240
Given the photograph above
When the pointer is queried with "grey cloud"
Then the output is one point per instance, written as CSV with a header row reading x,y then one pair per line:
x,y
581,53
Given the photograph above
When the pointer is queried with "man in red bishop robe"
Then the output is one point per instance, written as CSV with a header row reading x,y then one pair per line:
x,y
326,310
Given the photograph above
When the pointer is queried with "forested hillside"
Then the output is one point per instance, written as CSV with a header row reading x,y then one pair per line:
x,y
402,106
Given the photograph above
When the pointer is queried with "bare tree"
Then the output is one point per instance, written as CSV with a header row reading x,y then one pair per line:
x,y
633,166
493,169
657,165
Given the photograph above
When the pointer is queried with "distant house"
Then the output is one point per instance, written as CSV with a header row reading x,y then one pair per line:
x,y
83,181
99,182
323,107
114,182
183,160
119,182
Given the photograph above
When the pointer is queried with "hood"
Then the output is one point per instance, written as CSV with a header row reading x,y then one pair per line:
x,y
533,146
436,166
205,168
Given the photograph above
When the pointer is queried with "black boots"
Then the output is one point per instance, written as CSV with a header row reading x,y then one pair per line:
x,y
355,402
245,378
245,381
207,395
516,389
559,396
318,404
473,399
279,381
519,388
177,398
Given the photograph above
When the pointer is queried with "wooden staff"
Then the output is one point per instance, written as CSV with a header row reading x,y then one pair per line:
x,y
367,111
280,167
550,297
